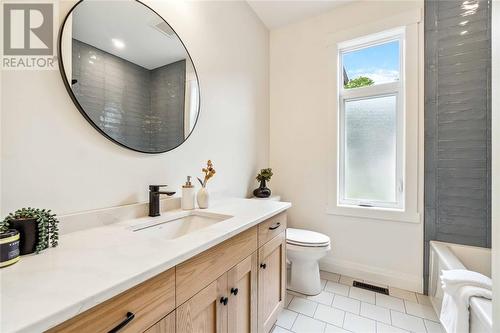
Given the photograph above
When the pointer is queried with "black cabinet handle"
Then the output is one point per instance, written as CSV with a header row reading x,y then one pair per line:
x,y
224,300
263,266
275,226
234,291
130,317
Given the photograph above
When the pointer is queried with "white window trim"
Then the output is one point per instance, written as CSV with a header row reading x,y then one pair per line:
x,y
380,90
413,126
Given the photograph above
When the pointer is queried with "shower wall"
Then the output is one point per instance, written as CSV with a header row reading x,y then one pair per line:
x,y
167,103
457,123
129,102
112,91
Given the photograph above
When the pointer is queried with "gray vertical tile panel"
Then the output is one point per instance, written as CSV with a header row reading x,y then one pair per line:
x,y
457,123
168,85
113,92
133,105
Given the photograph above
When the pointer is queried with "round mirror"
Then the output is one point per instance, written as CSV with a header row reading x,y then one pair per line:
x,y
129,74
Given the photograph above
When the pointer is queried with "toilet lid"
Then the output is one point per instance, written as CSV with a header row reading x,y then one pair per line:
x,y
306,237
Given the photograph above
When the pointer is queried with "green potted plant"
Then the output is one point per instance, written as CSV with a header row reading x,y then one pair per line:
x,y
37,228
264,176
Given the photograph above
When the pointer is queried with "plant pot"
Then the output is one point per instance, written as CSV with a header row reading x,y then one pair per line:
x,y
203,198
262,191
28,232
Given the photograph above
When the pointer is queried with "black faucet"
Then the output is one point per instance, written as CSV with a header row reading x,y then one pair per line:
x,y
154,199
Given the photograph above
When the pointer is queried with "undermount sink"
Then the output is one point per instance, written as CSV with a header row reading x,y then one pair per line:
x,y
178,226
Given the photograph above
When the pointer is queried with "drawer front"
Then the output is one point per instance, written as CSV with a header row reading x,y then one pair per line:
x,y
147,303
198,272
272,227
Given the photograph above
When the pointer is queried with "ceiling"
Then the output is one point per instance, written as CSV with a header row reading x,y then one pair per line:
x,y
275,14
145,43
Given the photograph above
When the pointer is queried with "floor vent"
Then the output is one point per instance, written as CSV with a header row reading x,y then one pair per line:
x,y
370,287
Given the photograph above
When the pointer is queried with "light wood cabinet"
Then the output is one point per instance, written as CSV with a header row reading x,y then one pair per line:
x,y
166,325
206,312
271,228
196,273
272,280
242,287
132,311
228,304
237,286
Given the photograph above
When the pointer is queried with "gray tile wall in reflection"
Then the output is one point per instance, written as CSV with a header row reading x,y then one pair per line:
x,y
166,100
457,123
139,107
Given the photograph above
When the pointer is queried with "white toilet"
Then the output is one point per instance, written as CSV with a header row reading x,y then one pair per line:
x,y
304,249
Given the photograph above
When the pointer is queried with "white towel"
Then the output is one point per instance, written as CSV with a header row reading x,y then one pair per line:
x,y
459,286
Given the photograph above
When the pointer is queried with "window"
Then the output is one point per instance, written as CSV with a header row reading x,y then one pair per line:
x,y
371,121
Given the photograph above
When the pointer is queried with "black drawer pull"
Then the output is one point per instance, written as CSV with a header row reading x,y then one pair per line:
x,y
130,317
234,291
263,266
275,226
224,300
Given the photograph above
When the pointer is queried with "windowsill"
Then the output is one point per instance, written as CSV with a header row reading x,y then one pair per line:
x,y
374,213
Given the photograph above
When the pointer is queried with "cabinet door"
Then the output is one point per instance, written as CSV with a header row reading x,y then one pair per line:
x,y
242,289
205,312
166,325
272,270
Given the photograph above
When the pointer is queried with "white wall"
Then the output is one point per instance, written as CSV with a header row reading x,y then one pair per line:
x,y
495,219
52,158
389,252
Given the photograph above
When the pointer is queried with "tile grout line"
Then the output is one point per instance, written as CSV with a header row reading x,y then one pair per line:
x,y
404,300
296,317
359,314
368,318
298,313
390,316
345,314
315,309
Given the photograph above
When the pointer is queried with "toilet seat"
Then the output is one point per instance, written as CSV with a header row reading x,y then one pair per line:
x,y
313,250
306,238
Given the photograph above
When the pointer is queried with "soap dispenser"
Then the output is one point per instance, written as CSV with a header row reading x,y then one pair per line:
x,y
188,195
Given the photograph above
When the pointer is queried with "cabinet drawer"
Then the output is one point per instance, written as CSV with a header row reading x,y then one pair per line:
x,y
271,227
148,302
198,272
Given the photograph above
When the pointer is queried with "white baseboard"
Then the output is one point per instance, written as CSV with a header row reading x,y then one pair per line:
x,y
373,274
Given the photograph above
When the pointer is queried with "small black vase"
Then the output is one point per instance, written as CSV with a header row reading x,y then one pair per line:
x,y
28,232
262,191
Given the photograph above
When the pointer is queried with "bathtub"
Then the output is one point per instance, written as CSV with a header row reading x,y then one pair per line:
x,y
454,256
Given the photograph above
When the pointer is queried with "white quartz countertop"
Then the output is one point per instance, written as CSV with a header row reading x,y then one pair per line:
x,y
92,265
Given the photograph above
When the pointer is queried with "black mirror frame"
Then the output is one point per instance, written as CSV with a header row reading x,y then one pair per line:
x,y
80,108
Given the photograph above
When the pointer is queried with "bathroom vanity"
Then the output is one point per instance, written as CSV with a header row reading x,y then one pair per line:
x,y
222,270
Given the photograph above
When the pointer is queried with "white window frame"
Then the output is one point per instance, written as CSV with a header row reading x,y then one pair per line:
x,y
413,76
378,90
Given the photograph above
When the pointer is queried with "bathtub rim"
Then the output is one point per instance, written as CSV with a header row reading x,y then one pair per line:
x,y
480,309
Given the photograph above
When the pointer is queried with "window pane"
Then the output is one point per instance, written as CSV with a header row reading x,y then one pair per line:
x,y
371,65
370,149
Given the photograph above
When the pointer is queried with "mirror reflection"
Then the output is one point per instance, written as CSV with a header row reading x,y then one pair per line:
x,y
129,74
